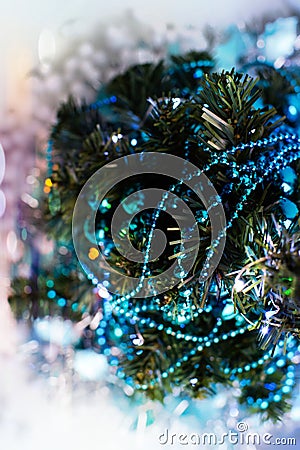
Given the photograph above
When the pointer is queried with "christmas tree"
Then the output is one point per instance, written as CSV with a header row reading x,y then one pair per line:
x,y
227,310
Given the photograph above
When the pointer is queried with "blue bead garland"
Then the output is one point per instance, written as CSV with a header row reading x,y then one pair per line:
x,y
284,150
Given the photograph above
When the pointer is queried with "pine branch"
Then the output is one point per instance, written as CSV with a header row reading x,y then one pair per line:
x,y
226,104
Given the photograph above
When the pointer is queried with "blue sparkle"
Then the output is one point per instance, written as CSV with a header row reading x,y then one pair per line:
x,y
61,302
51,294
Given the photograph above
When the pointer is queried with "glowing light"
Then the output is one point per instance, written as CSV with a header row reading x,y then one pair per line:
x,y
103,292
30,179
2,203
261,58
105,204
287,223
51,294
234,412
96,320
138,341
63,250
133,142
270,314
29,200
239,285
260,43
181,319
198,73
279,62
286,187
176,102
286,389
228,311
270,370
48,182
61,302
93,253
101,234
292,110
128,390
118,332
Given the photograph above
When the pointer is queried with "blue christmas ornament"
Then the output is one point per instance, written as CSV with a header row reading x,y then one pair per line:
x,y
289,179
289,208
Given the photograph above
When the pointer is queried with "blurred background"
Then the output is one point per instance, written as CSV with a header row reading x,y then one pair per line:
x,y
47,50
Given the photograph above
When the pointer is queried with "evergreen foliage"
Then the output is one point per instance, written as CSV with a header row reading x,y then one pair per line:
x,y
186,337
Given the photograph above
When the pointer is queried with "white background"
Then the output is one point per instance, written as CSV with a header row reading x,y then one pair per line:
x,y
22,21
